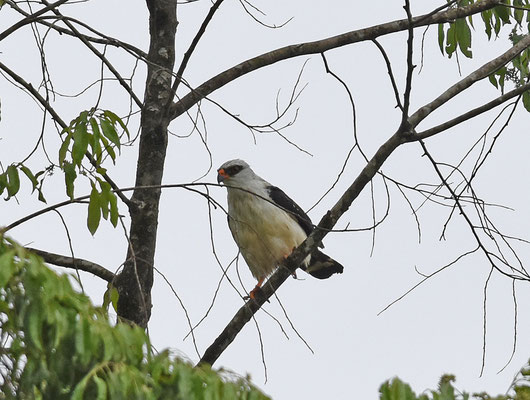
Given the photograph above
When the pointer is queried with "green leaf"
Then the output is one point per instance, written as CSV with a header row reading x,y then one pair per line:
x,y
80,146
396,390
441,37
109,132
518,13
108,149
30,176
493,80
7,267
14,180
114,118
114,213
451,40
486,17
3,182
64,148
94,211
69,177
463,33
96,135
80,389
102,388
105,198
526,100
41,195
503,13
34,327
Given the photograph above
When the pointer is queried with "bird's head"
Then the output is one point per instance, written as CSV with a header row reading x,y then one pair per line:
x,y
232,171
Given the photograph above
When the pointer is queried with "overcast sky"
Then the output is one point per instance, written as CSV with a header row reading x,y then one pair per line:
x,y
436,329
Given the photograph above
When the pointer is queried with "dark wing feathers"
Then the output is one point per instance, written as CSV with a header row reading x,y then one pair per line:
x,y
279,197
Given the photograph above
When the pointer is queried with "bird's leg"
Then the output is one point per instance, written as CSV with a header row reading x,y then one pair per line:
x,y
253,292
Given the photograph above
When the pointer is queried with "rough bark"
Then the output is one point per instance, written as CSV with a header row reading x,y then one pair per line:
x,y
135,281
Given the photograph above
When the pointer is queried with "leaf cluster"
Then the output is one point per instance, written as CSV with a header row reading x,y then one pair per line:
x,y
455,36
93,133
10,180
57,345
395,389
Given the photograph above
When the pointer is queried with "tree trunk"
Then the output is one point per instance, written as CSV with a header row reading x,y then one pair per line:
x,y
136,280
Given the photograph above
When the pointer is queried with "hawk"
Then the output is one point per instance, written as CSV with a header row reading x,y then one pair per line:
x,y
267,225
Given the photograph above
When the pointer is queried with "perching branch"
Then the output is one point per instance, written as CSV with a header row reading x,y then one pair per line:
x,y
402,135
292,262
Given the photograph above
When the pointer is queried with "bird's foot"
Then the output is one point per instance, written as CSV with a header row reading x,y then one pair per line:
x,y
253,292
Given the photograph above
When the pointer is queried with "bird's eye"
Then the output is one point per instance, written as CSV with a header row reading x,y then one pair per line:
x,y
233,170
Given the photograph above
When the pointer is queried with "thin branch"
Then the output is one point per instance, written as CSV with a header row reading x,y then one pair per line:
x,y
425,278
193,45
30,18
484,322
410,67
104,39
107,63
490,257
514,327
390,73
74,263
474,112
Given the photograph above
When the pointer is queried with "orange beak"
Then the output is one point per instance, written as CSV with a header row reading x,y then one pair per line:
x,y
222,175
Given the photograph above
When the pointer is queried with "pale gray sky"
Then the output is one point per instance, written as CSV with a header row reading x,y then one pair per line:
x,y
436,329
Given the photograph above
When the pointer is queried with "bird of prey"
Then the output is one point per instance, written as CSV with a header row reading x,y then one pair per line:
x,y
267,225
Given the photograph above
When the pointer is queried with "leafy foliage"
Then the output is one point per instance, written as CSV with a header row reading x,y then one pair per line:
x,y
10,180
398,390
57,345
456,36
93,133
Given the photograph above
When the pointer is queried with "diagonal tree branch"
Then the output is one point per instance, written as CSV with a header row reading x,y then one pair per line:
x,y
75,263
192,47
292,262
247,311
30,18
474,112
321,46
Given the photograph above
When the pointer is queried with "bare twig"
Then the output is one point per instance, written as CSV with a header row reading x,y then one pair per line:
x,y
191,49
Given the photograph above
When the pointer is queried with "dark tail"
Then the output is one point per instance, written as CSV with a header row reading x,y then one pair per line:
x,y
323,266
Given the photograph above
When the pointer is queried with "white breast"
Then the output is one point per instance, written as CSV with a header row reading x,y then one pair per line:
x,y
264,233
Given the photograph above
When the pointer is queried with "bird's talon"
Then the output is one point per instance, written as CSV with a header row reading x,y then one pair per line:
x,y
253,292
